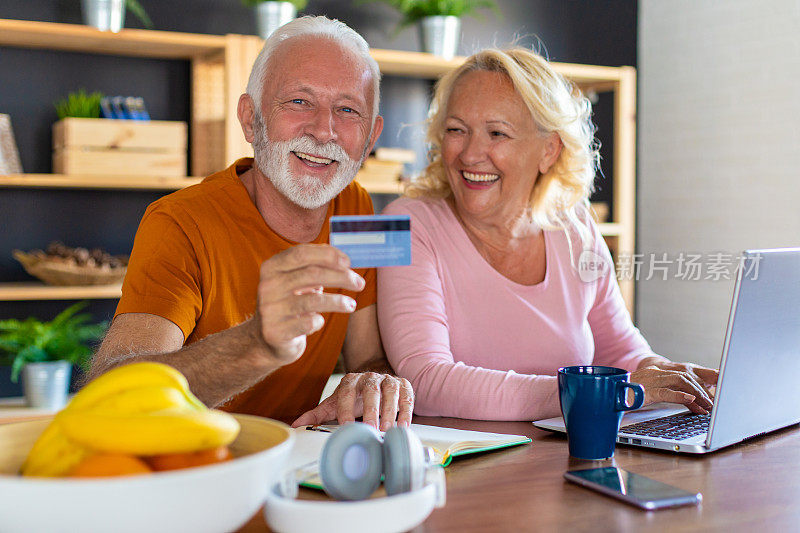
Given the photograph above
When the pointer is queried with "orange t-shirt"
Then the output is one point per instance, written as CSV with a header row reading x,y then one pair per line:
x,y
196,260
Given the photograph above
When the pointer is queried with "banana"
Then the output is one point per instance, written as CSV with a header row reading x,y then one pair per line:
x,y
140,408
133,376
53,454
142,400
155,433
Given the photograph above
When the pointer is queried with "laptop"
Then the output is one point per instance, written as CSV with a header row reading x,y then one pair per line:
x,y
759,382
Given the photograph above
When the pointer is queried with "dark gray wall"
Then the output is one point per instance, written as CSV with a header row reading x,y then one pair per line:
x,y
591,32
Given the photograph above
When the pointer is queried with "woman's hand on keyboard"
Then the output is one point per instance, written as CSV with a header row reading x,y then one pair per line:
x,y
684,383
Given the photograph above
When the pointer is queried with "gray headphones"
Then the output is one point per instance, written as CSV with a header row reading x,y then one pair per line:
x,y
354,459
351,465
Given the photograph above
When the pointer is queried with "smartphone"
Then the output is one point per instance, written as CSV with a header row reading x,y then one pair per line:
x,y
632,488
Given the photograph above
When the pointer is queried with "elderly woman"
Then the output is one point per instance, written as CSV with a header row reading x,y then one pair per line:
x,y
493,303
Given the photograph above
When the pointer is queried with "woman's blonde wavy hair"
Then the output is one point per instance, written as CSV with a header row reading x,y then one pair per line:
x,y
560,196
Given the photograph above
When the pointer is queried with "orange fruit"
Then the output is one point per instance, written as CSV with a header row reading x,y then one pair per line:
x,y
177,461
110,464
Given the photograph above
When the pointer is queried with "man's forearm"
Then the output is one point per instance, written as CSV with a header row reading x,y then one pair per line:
x,y
217,367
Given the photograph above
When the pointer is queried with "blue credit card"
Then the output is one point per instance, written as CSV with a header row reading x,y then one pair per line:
x,y
373,240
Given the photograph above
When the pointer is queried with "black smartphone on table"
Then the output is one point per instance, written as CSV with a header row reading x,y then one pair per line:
x,y
631,488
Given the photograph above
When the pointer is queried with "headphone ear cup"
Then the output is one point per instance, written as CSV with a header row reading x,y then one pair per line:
x,y
403,461
352,462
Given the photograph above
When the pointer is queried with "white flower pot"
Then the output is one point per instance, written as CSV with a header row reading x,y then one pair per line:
x,y
272,15
105,15
46,384
440,35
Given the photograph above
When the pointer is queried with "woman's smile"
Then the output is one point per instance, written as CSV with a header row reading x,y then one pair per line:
x,y
479,180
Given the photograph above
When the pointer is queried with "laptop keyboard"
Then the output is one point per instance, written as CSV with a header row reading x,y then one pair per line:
x,y
677,427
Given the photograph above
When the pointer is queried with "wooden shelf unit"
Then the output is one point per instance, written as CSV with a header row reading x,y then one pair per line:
x,y
39,291
61,181
85,39
221,65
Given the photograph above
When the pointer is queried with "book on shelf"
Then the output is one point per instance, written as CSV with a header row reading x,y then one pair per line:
x,y
401,155
374,171
447,444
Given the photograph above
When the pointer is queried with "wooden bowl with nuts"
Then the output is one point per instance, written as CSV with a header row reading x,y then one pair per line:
x,y
63,265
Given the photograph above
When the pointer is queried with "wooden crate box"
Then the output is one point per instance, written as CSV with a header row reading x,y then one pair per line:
x,y
111,147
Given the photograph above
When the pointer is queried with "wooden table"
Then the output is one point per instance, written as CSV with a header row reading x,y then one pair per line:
x,y
752,486
16,410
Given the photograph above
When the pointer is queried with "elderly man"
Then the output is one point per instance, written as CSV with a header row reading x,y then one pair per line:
x,y
226,278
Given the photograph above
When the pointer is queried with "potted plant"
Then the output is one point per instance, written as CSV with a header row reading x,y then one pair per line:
x,y
439,21
79,104
44,352
109,15
271,15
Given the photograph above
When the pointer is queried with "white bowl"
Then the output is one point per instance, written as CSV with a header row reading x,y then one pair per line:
x,y
215,498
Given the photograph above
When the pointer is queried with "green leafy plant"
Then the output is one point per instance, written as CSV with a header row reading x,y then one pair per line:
x,y
415,10
62,339
79,104
136,8
298,4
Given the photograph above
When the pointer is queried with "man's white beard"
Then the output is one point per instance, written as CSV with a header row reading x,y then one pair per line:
x,y
309,192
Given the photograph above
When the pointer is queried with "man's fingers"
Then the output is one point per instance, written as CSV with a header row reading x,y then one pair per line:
x,y
310,276
291,298
324,412
307,254
378,398
291,328
277,285
390,394
345,396
315,302
369,386
405,403
300,315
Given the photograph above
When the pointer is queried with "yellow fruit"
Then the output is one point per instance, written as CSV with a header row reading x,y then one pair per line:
x,y
113,414
168,431
53,454
142,400
132,376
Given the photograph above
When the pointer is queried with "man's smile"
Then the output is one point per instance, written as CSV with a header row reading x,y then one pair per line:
x,y
313,160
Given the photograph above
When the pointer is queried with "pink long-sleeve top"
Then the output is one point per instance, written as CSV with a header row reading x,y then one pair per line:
x,y
475,344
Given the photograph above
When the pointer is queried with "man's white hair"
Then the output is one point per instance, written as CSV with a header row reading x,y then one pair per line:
x,y
310,26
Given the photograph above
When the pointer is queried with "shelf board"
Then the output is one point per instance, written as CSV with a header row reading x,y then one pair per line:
x,y
61,181
382,188
610,229
422,65
39,291
80,38
414,64
178,45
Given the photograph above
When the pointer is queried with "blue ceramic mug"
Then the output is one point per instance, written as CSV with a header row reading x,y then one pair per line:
x,y
593,399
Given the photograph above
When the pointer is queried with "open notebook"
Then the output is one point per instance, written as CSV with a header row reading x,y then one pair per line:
x,y
447,444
